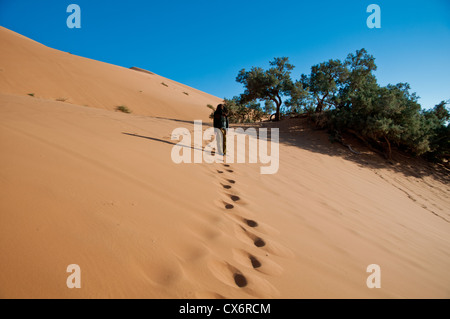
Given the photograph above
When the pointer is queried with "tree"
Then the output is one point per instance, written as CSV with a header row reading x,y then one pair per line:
x,y
395,118
255,112
358,77
267,85
239,112
384,116
324,82
381,116
441,113
345,97
299,98
233,109
269,107
437,120
333,84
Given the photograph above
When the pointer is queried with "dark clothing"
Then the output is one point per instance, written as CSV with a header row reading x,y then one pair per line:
x,y
221,122
220,119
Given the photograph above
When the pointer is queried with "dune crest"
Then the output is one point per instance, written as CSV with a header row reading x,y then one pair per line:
x,y
28,67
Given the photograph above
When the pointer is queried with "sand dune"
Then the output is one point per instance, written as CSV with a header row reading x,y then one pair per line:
x,y
29,67
88,186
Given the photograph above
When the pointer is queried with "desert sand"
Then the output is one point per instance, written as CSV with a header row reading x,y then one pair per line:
x,y
83,184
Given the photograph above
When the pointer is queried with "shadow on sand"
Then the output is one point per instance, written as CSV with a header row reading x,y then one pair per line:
x,y
178,120
162,141
300,133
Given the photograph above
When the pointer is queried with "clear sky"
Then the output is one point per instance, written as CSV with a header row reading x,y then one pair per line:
x,y
204,43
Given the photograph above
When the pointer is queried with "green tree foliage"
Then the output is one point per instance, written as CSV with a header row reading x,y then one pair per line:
x,y
345,96
437,121
299,98
269,107
358,76
268,85
383,116
349,98
239,112
324,82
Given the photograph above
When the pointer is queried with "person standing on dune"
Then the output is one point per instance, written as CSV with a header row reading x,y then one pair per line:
x,y
221,123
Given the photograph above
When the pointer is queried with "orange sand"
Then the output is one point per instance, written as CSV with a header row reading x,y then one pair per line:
x,y
77,190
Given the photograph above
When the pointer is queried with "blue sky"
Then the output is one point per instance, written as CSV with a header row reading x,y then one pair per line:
x,y
204,43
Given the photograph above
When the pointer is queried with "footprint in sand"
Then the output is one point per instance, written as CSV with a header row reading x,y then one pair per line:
x,y
225,186
257,241
246,258
250,223
228,273
249,283
220,172
244,219
231,181
255,262
264,265
234,198
270,247
226,165
229,170
228,205
240,280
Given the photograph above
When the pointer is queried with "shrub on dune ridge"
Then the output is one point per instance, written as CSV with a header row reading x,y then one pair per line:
x,y
239,112
123,108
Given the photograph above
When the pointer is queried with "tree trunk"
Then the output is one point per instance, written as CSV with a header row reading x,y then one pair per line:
x,y
277,114
277,100
389,154
319,107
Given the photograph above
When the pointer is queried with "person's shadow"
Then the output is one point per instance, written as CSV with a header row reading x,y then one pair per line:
x,y
162,141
